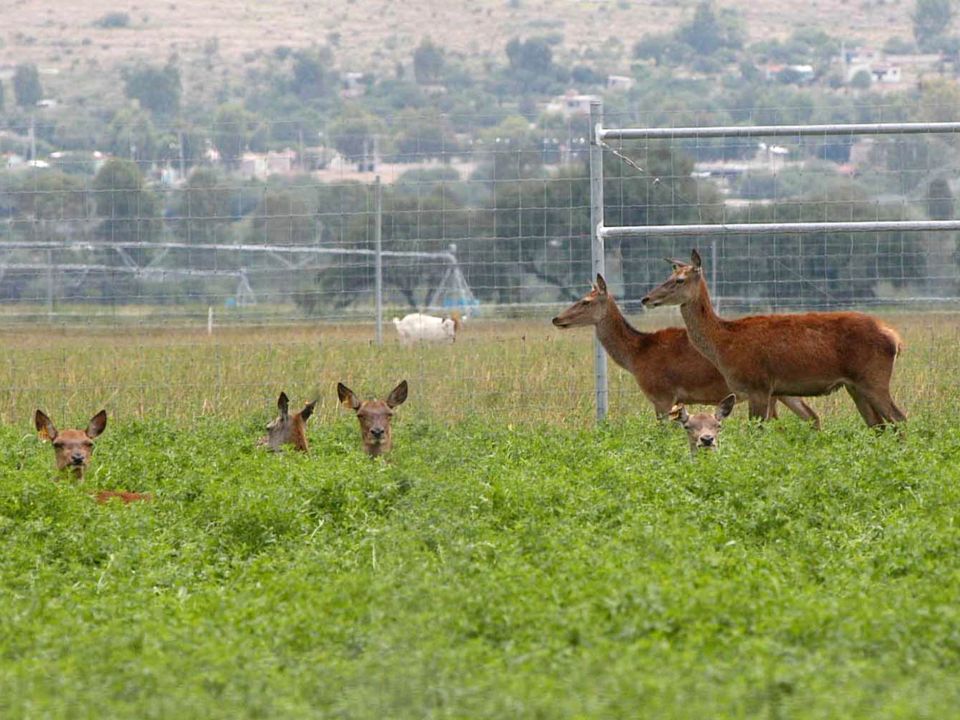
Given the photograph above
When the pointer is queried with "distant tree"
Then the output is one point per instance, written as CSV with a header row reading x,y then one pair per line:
x,y
531,65
424,135
355,133
131,135
128,210
940,204
663,49
26,85
203,209
427,62
156,89
412,221
862,80
283,217
931,20
313,75
832,277
53,204
533,55
707,32
586,75
703,33
232,128
511,149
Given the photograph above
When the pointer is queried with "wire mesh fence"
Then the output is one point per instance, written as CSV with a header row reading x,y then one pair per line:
x,y
204,276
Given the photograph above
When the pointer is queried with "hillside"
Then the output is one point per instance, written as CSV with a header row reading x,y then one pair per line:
x,y
65,41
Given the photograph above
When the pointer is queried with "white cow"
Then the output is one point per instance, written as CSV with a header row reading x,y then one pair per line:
x,y
419,327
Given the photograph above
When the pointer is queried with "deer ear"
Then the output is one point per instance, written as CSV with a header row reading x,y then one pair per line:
x,y
97,424
725,407
601,284
347,398
283,404
678,413
397,395
45,426
308,410
695,259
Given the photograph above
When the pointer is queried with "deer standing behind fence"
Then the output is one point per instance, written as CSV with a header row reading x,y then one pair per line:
x,y
374,416
666,366
797,354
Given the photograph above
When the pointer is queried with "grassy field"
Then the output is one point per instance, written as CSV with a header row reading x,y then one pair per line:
x,y
510,560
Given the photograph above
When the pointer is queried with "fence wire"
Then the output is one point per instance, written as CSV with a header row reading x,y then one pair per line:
x,y
227,264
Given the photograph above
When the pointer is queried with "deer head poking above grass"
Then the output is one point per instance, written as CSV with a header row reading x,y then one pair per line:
x,y
374,416
703,429
286,428
72,448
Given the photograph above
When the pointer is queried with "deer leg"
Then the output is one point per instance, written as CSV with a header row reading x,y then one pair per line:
x,y
772,409
759,404
884,406
800,409
865,407
662,411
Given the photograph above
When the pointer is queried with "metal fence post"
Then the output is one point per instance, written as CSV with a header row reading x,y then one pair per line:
x,y
596,246
378,257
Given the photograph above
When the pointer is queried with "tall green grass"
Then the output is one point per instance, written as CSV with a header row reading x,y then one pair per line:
x,y
509,560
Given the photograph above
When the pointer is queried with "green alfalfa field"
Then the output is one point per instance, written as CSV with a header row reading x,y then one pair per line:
x,y
510,560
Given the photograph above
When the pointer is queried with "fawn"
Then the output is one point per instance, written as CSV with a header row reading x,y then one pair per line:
x,y
374,416
287,429
703,429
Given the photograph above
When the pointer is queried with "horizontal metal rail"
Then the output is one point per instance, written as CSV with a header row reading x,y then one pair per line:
x,y
218,247
777,130
786,228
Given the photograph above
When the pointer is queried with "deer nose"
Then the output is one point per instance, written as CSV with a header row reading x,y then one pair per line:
x,y
377,432
556,321
706,440
76,459
646,301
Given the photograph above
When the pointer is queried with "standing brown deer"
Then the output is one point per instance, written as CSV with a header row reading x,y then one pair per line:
x,y
287,429
666,366
374,416
798,354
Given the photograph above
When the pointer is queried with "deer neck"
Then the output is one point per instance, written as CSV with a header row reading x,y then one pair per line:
x,y
703,324
619,338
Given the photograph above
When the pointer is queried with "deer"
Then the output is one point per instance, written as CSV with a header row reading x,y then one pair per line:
x,y
703,429
74,448
668,369
374,416
287,429
805,354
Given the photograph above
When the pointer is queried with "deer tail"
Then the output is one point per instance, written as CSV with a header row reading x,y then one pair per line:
x,y
894,337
